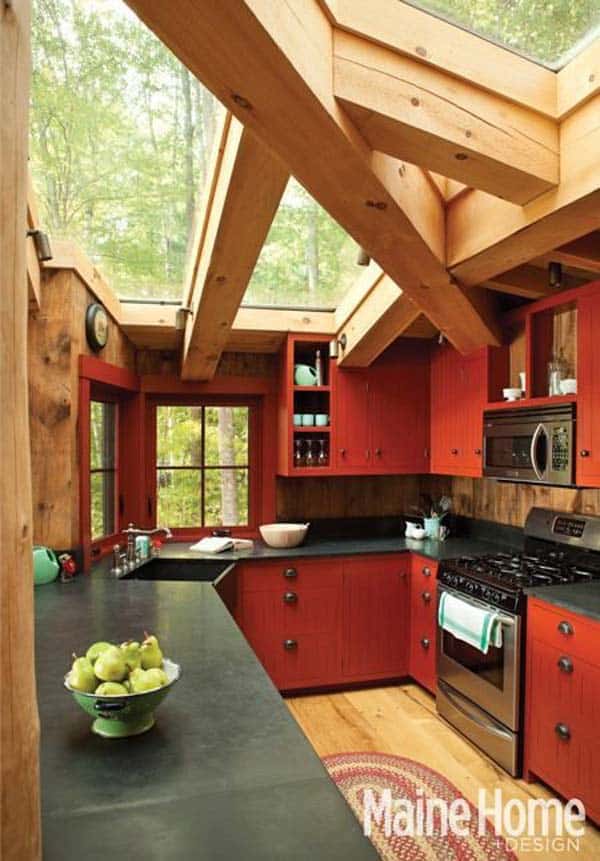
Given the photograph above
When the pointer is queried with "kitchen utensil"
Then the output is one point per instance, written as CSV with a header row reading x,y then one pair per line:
x,y
568,387
321,420
511,394
284,535
127,714
308,419
305,375
45,565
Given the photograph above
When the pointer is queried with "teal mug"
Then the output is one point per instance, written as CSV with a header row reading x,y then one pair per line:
x,y
297,420
321,420
308,420
432,527
305,375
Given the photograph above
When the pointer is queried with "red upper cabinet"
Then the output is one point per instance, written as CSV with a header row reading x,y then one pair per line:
x,y
382,413
588,397
459,388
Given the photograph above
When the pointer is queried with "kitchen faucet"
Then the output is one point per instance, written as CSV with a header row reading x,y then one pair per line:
x,y
132,531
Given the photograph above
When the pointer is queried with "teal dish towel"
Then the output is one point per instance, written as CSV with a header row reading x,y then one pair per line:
x,y
476,626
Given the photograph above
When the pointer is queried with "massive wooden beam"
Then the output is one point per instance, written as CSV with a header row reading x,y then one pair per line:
x,y
487,236
34,273
247,191
530,282
579,80
443,46
416,112
270,63
381,317
20,833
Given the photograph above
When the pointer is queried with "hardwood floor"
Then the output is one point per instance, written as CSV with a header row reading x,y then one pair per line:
x,y
402,720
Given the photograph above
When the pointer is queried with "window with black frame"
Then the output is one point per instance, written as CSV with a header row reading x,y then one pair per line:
x,y
202,465
103,485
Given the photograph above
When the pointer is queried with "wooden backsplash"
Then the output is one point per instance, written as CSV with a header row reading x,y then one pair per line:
x,y
380,496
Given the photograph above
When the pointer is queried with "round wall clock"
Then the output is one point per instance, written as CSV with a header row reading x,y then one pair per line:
x,y
96,326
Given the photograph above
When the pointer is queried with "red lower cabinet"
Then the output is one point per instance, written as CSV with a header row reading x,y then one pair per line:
x,y
423,622
323,622
562,704
375,618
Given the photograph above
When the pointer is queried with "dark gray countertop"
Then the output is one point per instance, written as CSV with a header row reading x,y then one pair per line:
x,y
436,550
581,598
225,773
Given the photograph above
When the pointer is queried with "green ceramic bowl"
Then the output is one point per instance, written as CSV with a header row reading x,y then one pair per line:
x,y
127,714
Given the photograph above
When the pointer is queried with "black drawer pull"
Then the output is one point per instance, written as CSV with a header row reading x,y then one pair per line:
x,y
562,731
290,645
425,643
426,572
565,665
453,451
565,628
290,598
584,452
426,596
290,573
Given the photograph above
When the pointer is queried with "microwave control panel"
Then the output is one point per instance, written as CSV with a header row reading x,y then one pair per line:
x,y
560,449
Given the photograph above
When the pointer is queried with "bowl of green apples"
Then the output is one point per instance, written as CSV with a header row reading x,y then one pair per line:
x,y
121,686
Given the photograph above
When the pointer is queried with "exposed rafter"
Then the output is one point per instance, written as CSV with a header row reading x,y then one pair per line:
x,y
582,253
528,281
270,63
248,184
426,116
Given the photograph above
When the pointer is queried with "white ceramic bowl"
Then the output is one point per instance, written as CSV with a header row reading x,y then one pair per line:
x,y
511,394
568,387
283,534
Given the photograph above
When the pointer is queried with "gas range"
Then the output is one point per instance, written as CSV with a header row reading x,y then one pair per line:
x,y
559,548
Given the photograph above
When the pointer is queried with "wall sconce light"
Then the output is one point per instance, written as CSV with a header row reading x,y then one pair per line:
x,y
42,245
363,258
441,338
555,274
336,345
181,317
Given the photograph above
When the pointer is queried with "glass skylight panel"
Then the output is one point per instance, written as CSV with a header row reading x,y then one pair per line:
x,y
121,135
307,261
549,32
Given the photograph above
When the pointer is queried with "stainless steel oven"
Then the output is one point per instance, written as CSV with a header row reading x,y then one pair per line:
x,y
534,445
481,694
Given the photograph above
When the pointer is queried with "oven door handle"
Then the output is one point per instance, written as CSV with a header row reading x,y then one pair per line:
x,y
540,429
504,620
488,727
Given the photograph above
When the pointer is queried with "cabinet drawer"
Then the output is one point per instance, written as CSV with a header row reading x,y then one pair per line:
x,y
564,630
292,574
423,656
424,569
308,660
310,611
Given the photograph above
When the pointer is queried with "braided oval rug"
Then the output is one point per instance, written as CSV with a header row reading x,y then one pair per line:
x,y
354,773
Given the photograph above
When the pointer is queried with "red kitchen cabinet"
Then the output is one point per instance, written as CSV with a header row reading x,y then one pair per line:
x,y
375,618
459,389
423,622
383,414
562,704
588,397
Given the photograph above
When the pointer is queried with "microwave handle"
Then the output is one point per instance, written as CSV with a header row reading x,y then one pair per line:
x,y
540,429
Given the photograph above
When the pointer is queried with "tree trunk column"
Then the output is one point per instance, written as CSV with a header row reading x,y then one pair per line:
x,y
20,838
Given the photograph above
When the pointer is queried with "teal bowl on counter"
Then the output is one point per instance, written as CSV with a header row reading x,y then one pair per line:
x,y
127,714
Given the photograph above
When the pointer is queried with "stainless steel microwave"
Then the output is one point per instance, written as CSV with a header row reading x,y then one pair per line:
x,y
530,444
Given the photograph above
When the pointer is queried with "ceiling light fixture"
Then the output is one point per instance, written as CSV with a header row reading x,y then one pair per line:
x,y
555,274
336,345
42,244
181,317
363,258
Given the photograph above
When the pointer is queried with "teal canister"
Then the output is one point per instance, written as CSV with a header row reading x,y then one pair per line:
x,y
45,565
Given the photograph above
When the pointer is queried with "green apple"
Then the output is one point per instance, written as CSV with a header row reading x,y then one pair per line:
x,y
111,689
110,665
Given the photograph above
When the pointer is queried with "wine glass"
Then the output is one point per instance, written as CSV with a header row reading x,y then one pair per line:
x,y
322,456
298,456
310,457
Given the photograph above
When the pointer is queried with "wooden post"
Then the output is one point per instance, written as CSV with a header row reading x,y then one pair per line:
x,y
20,838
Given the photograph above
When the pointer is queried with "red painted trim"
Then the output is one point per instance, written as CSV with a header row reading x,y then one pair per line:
x,y
549,302
166,385
110,375
84,470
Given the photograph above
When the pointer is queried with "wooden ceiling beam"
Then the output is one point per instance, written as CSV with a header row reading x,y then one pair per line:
x,y
487,236
528,281
436,43
582,253
579,80
34,271
381,317
426,116
247,191
270,63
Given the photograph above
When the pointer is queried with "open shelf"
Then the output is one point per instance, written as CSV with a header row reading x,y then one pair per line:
x,y
316,429
523,403
312,388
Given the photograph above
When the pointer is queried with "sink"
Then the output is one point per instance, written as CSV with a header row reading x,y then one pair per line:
x,y
180,569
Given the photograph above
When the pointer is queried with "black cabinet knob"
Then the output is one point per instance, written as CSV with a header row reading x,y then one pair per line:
x,y
478,451
585,452
453,451
425,643
426,596
562,731
290,598
343,452
290,645
565,665
378,452
290,573
565,628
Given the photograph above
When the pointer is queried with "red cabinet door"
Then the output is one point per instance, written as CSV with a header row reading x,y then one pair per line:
x,y
471,396
352,437
444,415
423,622
399,410
588,397
375,618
